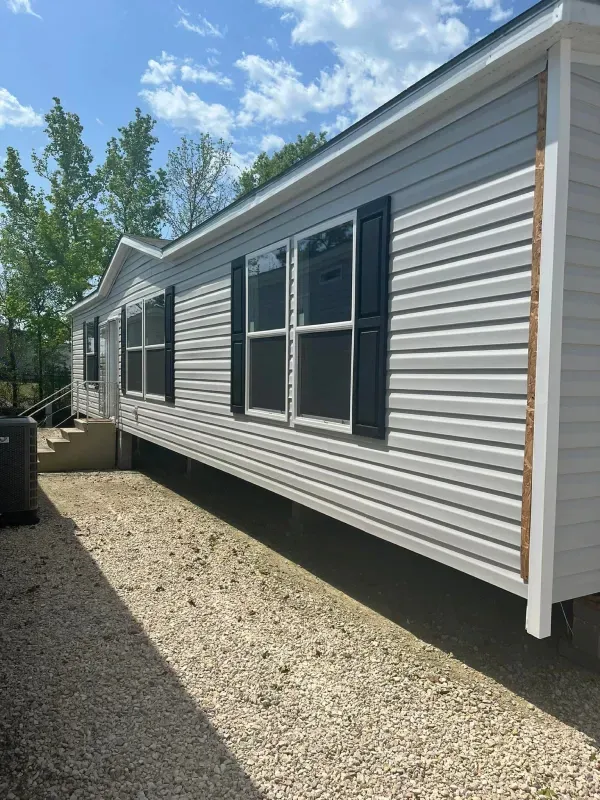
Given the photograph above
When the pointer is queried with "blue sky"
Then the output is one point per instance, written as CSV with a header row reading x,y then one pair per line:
x,y
256,72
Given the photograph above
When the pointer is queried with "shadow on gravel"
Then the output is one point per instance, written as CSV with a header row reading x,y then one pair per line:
x,y
88,707
482,626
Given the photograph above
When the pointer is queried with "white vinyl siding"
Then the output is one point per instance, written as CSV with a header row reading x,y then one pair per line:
x,y
446,482
577,540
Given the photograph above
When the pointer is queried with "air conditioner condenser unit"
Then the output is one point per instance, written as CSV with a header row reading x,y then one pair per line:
x,y
18,471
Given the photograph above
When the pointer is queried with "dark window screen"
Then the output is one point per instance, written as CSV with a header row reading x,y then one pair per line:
x,y
155,372
324,378
90,365
155,320
268,373
134,325
325,276
267,286
90,347
134,371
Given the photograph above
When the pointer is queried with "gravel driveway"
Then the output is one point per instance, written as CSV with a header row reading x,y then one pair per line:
x,y
150,649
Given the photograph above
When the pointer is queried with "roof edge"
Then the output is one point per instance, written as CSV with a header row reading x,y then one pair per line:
x,y
558,12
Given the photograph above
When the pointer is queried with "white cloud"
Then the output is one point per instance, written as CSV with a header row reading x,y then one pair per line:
x,y
497,12
341,122
15,114
276,92
381,46
187,111
168,68
99,121
271,141
197,74
201,25
161,71
240,162
21,7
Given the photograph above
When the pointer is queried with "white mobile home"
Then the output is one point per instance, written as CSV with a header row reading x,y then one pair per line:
x,y
403,330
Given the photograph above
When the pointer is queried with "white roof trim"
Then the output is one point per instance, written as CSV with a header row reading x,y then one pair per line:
x,y
542,30
126,246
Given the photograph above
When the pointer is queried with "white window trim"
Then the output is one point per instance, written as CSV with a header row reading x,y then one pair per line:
x,y
285,331
143,348
85,350
322,423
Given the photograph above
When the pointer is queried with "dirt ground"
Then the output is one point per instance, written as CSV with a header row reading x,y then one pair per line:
x,y
190,643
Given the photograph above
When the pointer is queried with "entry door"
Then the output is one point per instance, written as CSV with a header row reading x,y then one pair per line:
x,y
107,369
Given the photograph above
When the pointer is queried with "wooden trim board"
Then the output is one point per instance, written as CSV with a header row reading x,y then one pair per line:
x,y
538,206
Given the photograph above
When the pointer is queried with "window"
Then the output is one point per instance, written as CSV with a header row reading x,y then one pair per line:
x,y
325,324
90,350
146,347
324,263
154,344
267,340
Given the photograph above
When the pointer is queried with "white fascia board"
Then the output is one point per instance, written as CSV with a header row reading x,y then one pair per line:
x,y
549,348
143,247
536,29
124,248
541,31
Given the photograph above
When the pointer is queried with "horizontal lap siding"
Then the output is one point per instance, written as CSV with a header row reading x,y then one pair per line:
x,y
577,542
447,480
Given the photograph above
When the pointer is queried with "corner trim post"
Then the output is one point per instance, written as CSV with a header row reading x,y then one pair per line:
x,y
549,342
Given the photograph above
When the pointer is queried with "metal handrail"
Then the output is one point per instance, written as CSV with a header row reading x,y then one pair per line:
x,y
74,389
108,386
45,400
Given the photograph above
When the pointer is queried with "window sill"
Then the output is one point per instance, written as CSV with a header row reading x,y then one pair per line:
x,y
154,400
273,415
322,425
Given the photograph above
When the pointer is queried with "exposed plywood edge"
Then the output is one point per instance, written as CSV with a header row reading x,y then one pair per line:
x,y
538,204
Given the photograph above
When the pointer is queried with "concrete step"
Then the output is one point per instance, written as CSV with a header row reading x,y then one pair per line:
x,y
69,433
90,445
56,441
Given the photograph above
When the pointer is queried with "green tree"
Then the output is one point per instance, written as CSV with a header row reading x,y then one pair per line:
x,y
133,195
29,287
198,182
12,313
266,167
75,240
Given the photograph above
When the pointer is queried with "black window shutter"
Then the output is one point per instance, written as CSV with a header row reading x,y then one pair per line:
x,y
170,344
238,335
123,349
96,359
370,319
85,351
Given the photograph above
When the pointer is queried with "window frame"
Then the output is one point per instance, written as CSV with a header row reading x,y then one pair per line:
x,y
86,354
322,423
144,395
285,331
147,347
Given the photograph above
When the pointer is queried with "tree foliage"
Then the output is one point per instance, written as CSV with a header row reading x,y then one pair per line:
x,y
267,166
74,238
58,230
198,181
133,194
29,292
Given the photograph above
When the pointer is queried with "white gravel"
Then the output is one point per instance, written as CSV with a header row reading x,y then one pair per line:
x,y
148,649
